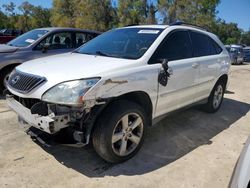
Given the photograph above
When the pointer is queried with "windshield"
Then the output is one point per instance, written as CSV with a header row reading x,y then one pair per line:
x,y
128,43
27,38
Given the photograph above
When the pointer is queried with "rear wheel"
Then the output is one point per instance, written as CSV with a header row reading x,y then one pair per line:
x,y
120,131
216,97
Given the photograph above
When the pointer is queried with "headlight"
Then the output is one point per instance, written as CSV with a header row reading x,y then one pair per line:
x,y
69,93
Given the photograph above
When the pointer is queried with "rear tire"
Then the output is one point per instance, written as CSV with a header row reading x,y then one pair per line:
x,y
216,97
120,131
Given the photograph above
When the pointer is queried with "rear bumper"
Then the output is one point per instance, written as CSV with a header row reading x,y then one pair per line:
x,y
50,124
240,60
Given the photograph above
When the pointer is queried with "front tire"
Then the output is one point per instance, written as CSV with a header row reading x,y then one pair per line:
x,y
216,97
120,131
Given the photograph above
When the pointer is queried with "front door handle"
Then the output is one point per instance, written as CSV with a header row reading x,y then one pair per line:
x,y
195,65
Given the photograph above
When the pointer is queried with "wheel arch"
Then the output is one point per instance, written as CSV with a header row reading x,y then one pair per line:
x,y
3,72
139,97
223,78
10,66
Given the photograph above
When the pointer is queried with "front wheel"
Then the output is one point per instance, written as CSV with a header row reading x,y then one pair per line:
x,y
216,97
120,131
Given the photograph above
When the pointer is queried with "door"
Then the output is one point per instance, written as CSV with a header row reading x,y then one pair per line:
x,y
206,54
55,43
181,87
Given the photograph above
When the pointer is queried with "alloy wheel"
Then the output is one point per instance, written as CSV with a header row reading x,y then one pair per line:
x,y
127,134
218,94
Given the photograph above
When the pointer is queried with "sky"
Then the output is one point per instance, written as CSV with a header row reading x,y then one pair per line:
x,y
237,11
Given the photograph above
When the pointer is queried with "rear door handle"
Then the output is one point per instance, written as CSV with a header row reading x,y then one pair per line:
x,y
195,65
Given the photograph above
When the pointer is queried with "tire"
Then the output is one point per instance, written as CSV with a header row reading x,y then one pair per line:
x,y
112,139
215,98
3,76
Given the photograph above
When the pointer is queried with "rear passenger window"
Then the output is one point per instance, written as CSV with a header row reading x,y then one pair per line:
x,y
80,39
176,46
204,45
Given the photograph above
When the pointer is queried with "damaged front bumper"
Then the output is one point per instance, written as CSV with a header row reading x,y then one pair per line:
x,y
50,123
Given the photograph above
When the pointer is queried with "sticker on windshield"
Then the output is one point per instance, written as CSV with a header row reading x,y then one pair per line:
x,y
29,41
149,31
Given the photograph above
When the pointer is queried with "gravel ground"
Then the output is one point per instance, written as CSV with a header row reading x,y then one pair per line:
x,y
187,149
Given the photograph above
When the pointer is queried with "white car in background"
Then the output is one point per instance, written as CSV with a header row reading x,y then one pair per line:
x,y
241,174
112,88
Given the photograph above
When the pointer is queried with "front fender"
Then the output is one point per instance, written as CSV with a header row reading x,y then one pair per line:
x,y
143,79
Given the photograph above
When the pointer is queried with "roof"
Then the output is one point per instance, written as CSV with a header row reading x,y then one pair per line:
x,y
67,29
149,26
183,25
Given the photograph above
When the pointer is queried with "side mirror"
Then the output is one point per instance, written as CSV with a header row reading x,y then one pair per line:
x,y
164,74
45,48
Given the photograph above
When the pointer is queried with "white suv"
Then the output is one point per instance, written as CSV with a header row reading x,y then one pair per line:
x,y
112,88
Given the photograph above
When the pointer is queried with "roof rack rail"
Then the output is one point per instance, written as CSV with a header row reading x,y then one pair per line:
x,y
131,25
186,24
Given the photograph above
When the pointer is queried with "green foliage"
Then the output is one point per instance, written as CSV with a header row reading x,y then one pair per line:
x,y
229,33
95,15
63,13
3,19
132,12
30,16
103,15
245,38
199,12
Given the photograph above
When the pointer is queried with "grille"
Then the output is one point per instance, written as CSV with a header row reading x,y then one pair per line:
x,y
24,82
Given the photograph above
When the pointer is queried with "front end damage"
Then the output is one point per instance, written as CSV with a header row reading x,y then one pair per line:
x,y
54,118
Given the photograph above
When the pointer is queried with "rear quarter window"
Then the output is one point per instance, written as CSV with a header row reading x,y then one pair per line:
x,y
203,45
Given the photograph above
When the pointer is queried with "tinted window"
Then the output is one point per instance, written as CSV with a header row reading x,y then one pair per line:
x,y
217,47
82,38
204,45
128,43
175,47
57,41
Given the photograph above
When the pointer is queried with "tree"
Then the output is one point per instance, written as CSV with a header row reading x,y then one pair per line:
x,y
229,33
3,20
9,8
40,17
198,12
95,14
151,14
245,39
132,12
10,16
168,10
63,13
26,9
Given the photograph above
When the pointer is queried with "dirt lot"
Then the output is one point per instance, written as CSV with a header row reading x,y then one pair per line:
x,y
188,149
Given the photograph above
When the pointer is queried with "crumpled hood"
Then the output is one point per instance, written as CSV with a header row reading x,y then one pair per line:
x,y
7,49
70,66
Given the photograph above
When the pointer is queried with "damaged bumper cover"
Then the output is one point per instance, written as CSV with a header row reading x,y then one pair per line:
x,y
50,123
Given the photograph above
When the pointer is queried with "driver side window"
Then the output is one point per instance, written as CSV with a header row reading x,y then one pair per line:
x,y
176,46
56,41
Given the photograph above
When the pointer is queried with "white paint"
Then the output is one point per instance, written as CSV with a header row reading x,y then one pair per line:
x,y
186,85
